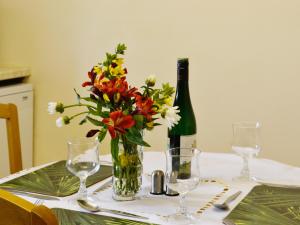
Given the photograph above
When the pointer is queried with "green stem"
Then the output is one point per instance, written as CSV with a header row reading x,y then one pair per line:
x,y
78,114
70,106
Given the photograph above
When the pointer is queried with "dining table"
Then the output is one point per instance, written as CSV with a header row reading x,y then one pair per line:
x,y
217,172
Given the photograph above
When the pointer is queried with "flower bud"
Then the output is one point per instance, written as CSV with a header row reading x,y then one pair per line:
x,y
66,119
60,107
150,81
106,98
117,97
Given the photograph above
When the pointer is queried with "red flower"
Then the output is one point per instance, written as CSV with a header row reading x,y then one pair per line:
x,y
117,85
86,83
131,92
92,75
144,106
118,122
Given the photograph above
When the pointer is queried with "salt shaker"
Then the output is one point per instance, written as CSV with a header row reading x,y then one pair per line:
x,y
157,182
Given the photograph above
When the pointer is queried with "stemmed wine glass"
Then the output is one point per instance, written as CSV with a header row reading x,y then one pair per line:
x,y
182,175
246,143
83,161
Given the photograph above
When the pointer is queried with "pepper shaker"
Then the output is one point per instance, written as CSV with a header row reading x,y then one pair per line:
x,y
172,179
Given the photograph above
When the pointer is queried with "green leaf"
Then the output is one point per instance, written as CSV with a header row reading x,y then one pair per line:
x,y
94,121
88,99
78,96
102,134
99,106
120,49
114,146
167,89
93,111
104,114
139,121
135,132
136,139
82,121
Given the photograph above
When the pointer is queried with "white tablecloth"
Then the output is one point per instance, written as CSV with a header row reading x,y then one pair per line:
x,y
219,166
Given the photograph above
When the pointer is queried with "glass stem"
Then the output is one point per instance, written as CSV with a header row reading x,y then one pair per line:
x,y
82,192
182,208
245,171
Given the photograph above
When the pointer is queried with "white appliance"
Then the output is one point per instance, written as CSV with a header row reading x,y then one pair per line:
x,y
13,72
22,96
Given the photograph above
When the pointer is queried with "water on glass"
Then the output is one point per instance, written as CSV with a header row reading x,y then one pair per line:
x,y
184,185
83,169
246,151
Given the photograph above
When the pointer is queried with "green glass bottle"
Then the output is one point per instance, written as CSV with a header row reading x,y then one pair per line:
x,y
183,134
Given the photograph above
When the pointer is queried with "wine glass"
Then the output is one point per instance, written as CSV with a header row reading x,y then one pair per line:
x,y
246,143
182,176
83,161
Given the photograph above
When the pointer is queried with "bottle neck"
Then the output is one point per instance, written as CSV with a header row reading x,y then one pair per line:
x,y
182,82
183,74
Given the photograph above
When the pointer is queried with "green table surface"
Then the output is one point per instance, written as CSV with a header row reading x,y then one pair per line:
x,y
70,217
55,180
266,205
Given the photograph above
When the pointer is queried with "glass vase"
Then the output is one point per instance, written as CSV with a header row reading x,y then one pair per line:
x,y
127,171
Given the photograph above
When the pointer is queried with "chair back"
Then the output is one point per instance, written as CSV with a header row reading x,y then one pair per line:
x,y
10,113
17,211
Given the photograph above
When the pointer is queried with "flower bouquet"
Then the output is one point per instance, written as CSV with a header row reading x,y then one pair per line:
x,y
124,111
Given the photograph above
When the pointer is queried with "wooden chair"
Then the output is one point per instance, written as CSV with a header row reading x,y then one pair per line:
x,y
17,211
10,113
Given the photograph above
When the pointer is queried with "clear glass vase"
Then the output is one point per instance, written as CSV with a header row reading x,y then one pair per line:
x,y
127,171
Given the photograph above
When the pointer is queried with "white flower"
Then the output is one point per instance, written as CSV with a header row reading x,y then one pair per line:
x,y
150,81
172,116
60,122
52,107
63,121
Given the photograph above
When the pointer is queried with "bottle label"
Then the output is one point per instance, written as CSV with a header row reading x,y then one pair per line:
x,y
184,141
188,141
183,166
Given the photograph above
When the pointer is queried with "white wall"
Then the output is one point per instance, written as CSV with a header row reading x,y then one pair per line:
x,y
244,61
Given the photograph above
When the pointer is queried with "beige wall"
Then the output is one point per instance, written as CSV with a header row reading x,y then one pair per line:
x,y
244,61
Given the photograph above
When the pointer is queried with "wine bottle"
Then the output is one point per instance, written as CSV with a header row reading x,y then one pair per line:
x,y
183,134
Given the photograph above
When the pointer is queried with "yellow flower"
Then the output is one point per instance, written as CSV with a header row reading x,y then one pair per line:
x,y
98,79
117,97
116,68
123,160
113,70
119,61
168,101
150,125
97,70
106,98
116,71
105,68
